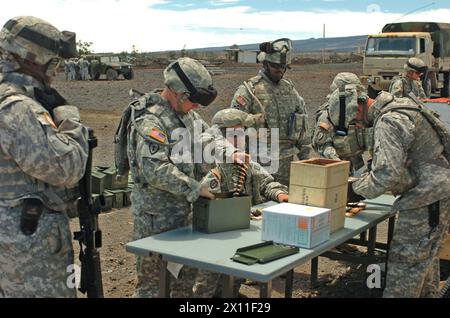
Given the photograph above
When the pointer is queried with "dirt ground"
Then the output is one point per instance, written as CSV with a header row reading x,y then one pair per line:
x,y
101,103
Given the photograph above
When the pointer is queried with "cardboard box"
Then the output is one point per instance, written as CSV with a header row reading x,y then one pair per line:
x,y
330,198
221,215
296,225
337,219
319,173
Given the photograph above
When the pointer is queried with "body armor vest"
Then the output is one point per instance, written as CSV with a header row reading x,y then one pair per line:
x,y
428,177
281,106
16,185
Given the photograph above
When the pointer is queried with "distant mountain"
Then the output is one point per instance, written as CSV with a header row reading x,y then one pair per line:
x,y
341,44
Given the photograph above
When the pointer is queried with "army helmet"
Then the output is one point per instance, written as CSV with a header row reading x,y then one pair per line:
x,y
187,75
278,51
343,79
351,93
415,64
230,117
36,40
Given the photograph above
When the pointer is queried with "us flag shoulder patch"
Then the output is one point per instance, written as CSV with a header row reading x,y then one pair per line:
x,y
157,135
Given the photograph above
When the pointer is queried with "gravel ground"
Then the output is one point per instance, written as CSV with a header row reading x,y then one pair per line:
x,y
101,104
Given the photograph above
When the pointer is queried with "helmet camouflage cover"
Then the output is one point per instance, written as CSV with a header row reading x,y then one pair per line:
x,y
278,51
36,40
194,70
230,117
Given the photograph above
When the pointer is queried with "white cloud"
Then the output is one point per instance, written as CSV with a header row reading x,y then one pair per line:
x,y
116,25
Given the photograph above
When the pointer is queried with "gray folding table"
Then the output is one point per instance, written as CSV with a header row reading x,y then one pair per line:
x,y
213,252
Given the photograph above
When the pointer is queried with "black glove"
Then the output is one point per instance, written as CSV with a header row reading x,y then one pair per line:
x,y
31,212
352,196
50,98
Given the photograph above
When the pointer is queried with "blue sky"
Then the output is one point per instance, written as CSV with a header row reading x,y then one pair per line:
x,y
156,25
308,5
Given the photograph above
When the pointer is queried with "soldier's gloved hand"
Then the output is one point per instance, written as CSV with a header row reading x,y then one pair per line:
x,y
283,197
351,195
50,98
62,113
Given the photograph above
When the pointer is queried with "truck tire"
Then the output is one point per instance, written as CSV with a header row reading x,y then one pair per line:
x,y
129,76
445,91
111,75
372,92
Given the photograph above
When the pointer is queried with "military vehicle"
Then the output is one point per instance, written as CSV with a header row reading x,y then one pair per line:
x,y
387,52
111,66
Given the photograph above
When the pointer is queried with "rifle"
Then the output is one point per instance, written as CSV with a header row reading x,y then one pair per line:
x,y
89,236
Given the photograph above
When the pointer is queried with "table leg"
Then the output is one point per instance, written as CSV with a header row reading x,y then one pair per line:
x,y
314,271
372,241
363,237
228,286
288,284
265,290
164,280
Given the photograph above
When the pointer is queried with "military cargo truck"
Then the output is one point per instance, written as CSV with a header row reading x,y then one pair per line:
x,y
111,66
387,52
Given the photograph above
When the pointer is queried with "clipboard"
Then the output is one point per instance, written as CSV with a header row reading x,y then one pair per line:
x,y
263,253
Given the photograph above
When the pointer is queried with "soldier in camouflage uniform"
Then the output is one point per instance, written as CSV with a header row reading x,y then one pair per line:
x,y
410,81
84,69
164,189
43,154
352,144
250,180
411,159
273,102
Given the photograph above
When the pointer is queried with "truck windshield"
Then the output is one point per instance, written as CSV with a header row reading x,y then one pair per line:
x,y
391,46
115,59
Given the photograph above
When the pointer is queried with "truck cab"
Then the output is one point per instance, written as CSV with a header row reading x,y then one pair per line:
x,y
387,52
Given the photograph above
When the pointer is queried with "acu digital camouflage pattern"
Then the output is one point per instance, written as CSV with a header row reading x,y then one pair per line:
x,y
413,266
403,86
230,117
194,70
282,52
84,69
223,179
408,160
271,105
359,137
12,41
164,190
37,160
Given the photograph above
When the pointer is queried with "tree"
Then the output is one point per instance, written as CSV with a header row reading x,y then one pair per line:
x,y
84,48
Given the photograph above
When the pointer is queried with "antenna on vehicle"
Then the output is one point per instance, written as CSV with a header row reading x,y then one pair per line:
x,y
415,10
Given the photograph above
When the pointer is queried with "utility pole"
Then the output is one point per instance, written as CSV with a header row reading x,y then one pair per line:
x,y
323,45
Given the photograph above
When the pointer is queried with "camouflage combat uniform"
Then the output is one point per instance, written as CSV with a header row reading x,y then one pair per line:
x,y
84,69
358,138
223,179
408,160
274,106
37,160
401,87
164,189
